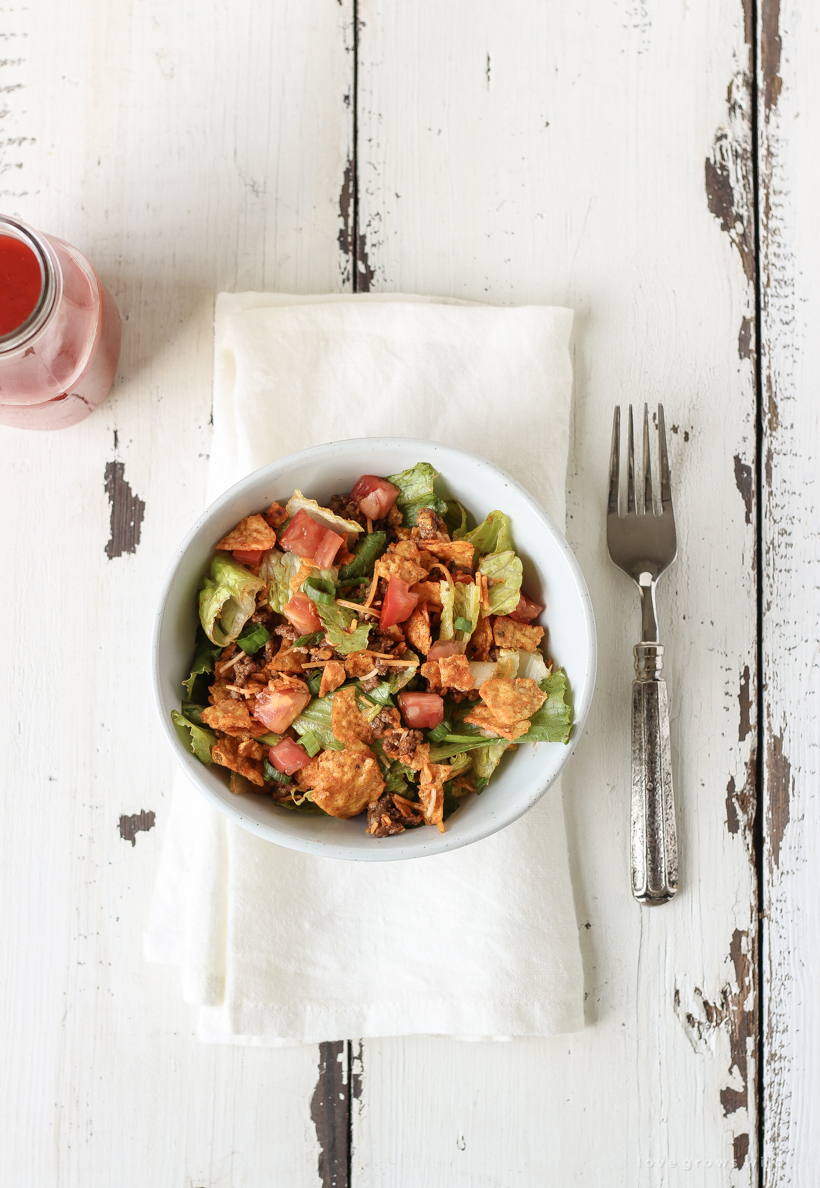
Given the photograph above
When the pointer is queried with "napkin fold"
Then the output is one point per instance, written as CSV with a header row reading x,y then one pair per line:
x,y
277,947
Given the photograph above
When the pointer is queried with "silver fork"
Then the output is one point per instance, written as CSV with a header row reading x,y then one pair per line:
x,y
643,544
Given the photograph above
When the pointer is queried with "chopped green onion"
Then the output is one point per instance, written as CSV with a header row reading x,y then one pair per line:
x,y
270,739
481,783
272,776
440,732
310,640
252,637
461,624
311,743
320,589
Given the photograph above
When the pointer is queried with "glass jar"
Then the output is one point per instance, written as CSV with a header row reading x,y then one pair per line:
x,y
57,364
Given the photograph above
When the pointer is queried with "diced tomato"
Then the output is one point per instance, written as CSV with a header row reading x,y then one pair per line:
x,y
301,613
399,603
527,610
287,756
248,556
278,707
329,546
421,711
446,647
302,535
374,495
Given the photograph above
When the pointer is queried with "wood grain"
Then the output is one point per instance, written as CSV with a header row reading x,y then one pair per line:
x,y
600,157
789,110
186,149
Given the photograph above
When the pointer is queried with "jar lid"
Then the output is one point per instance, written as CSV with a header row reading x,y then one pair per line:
x,y
49,287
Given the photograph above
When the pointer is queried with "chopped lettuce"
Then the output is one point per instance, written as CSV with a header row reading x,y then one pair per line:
x,y
488,670
446,628
456,744
508,663
365,555
337,621
492,535
506,572
531,665
252,637
399,677
278,568
486,760
553,721
466,606
315,719
227,599
416,491
204,657
199,741
456,519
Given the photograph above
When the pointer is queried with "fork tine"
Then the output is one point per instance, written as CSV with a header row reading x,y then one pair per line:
x,y
666,478
630,471
614,463
647,466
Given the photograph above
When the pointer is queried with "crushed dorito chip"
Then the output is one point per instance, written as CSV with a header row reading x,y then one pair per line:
x,y
480,642
346,719
454,673
229,716
508,633
488,723
431,792
333,676
432,674
417,629
226,752
285,660
253,534
344,782
459,551
429,593
276,515
359,664
512,700
391,565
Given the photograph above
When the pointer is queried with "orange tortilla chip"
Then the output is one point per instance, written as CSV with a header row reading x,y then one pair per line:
x,y
286,660
459,551
346,719
429,593
486,720
480,642
276,515
512,700
333,676
431,792
359,664
252,534
417,629
432,674
229,716
510,634
343,782
455,673
226,752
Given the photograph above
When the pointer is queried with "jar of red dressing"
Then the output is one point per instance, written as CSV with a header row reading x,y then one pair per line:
x,y
59,331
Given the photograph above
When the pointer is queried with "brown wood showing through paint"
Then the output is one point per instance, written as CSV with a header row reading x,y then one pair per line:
x,y
127,511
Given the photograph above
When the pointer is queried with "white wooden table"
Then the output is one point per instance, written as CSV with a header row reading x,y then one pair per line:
x,y
652,166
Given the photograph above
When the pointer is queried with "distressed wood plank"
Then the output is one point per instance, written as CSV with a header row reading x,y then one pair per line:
x,y
186,149
788,118
599,156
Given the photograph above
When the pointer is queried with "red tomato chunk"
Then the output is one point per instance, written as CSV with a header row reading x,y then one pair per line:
x,y
248,556
446,647
287,756
277,708
527,610
421,711
374,496
302,535
301,613
329,546
398,603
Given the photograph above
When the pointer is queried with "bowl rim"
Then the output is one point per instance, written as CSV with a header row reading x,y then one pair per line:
x,y
441,842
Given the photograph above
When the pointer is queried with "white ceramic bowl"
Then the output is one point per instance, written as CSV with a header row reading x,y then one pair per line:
x,y
551,575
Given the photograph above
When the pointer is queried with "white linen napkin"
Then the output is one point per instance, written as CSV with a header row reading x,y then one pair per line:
x,y
278,947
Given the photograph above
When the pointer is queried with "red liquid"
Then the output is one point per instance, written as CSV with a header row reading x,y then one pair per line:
x,y
20,283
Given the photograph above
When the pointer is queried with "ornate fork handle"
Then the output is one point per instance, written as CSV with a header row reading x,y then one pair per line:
x,y
654,834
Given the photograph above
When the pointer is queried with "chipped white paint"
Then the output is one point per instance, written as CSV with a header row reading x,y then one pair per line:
x,y
791,367
577,177
532,152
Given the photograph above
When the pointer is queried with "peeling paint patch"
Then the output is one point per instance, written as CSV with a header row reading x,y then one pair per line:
x,y
741,1019
741,1149
780,784
745,700
728,185
127,511
330,1112
346,232
740,803
700,1018
770,49
139,822
743,482
744,339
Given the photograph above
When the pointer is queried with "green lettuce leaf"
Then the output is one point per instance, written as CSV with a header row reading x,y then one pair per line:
x,y
506,571
277,570
197,739
416,491
336,620
446,628
466,606
365,555
204,657
315,719
227,599
456,519
457,744
399,677
492,535
486,760
553,721
252,637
